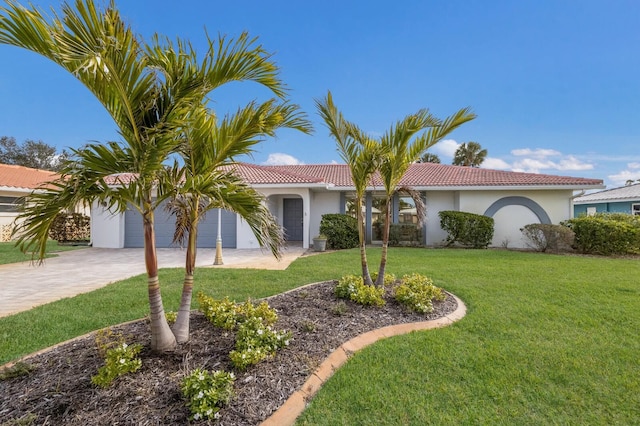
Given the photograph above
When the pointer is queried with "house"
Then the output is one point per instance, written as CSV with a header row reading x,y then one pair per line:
x,y
17,182
299,195
617,200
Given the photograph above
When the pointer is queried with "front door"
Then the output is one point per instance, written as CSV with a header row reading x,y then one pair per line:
x,y
292,218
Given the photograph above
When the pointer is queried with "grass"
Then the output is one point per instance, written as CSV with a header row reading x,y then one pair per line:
x,y
547,339
9,253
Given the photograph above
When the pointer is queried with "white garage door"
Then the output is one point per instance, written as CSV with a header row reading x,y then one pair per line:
x,y
165,227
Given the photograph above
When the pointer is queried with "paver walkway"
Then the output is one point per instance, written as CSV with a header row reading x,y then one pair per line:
x,y
25,285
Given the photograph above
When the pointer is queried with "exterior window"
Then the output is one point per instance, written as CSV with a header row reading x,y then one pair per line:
x,y
591,211
635,209
8,204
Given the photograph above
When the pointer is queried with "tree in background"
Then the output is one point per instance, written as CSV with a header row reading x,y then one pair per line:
x,y
429,157
469,154
34,154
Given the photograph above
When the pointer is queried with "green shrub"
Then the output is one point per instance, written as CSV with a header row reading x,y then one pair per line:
x,y
542,237
70,227
606,233
404,234
255,342
467,229
120,357
341,231
352,287
417,293
388,280
206,392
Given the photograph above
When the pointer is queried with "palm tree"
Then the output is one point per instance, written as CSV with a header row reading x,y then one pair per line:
x,y
206,180
401,149
469,154
362,154
429,157
148,91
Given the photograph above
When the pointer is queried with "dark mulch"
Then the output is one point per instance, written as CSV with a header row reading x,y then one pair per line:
x,y
59,391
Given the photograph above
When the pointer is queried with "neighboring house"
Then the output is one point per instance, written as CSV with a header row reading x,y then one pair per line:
x,y
617,200
298,196
17,182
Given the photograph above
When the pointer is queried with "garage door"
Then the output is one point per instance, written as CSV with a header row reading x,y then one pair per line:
x,y
165,227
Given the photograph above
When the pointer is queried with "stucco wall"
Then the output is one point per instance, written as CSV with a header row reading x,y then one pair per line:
x,y
436,202
107,229
322,203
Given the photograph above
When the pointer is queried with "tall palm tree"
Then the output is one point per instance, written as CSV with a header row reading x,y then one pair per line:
x,y
401,149
362,154
206,180
429,157
148,90
469,154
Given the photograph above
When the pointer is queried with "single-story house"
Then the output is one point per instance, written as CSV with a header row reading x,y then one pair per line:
x,y
17,182
299,195
616,200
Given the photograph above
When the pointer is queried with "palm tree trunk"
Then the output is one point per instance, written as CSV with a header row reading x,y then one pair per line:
x,y
162,339
385,244
366,276
181,327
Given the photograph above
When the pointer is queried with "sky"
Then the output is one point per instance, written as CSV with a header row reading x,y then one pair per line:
x,y
555,84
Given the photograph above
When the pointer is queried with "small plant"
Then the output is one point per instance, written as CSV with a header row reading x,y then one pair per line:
x,y
339,308
352,287
206,392
120,358
171,316
18,369
417,292
388,280
308,326
255,342
227,314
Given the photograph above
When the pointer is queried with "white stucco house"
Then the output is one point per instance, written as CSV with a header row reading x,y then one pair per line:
x,y
299,195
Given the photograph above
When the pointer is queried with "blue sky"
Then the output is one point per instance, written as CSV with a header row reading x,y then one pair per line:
x,y
555,84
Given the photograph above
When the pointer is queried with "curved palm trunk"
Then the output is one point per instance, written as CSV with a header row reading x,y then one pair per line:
x,y
162,339
385,244
181,327
366,276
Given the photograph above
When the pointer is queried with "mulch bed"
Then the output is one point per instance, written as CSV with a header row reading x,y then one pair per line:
x,y
59,391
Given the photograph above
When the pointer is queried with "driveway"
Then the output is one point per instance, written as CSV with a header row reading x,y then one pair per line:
x,y
25,285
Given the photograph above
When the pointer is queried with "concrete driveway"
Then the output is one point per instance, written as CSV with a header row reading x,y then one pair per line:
x,y
25,285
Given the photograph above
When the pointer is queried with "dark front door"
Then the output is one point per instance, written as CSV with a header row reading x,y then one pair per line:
x,y
292,218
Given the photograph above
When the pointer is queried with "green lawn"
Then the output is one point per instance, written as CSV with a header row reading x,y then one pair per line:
x,y
547,339
9,253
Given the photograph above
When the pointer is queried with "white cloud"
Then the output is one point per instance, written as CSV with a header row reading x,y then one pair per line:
x,y
536,153
446,148
495,163
633,165
280,159
621,178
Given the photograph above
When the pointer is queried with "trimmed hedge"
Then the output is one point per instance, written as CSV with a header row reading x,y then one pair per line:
x,y
341,231
467,229
402,234
543,237
70,227
606,233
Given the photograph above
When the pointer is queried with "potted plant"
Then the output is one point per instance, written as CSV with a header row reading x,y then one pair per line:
x,y
320,243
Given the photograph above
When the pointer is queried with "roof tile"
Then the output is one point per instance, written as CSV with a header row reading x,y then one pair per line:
x,y
21,177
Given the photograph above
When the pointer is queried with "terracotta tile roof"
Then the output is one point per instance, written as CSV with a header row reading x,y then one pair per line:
x,y
419,175
625,193
20,177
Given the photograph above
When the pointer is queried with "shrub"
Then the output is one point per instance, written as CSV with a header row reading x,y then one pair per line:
x,y
70,227
120,358
417,292
352,287
387,281
606,233
468,229
255,342
543,237
206,392
341,231
404,234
